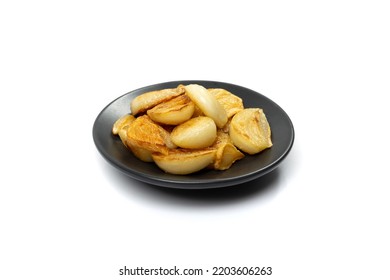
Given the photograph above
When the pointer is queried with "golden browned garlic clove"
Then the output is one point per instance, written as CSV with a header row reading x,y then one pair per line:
x,y
141,153
196,133
145,133
207,103
173,112
122,125
148,100
226,153
250,131
230,102
123,135
182,161
121,122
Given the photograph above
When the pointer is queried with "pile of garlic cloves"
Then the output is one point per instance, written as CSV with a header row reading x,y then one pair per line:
x,y
189,128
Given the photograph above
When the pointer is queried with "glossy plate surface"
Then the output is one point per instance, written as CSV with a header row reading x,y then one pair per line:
x,y
244,170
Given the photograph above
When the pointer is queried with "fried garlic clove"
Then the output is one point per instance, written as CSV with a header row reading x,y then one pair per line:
x,y
142,154
145,133
196,133
226,153
123,135
139,152
230,102
183,161
148,100
121,122
207,103
250,131
173,112
120,128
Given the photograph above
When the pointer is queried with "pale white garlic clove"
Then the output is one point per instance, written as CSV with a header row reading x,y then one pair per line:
x,y
207,103
196,133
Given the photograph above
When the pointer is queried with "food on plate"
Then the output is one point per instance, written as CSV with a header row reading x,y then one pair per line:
x,y
174,111
184,161
122,122
150,99
250,131
230,102
196,133
207,103
226,153
190,128
144,133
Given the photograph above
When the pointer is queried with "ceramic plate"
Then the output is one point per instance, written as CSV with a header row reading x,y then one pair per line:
x,y
244,170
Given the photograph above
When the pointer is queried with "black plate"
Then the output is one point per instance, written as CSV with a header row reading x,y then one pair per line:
x,y
244,170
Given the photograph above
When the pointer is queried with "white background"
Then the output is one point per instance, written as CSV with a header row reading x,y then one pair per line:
x,y
65,213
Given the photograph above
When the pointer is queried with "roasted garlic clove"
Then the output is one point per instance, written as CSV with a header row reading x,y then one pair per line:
x,y
250,131
145,133
123,135
120,128
148,100
196,133
139,152
182,161
121,122
230,102
142,154
207,103
174,111
226,153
